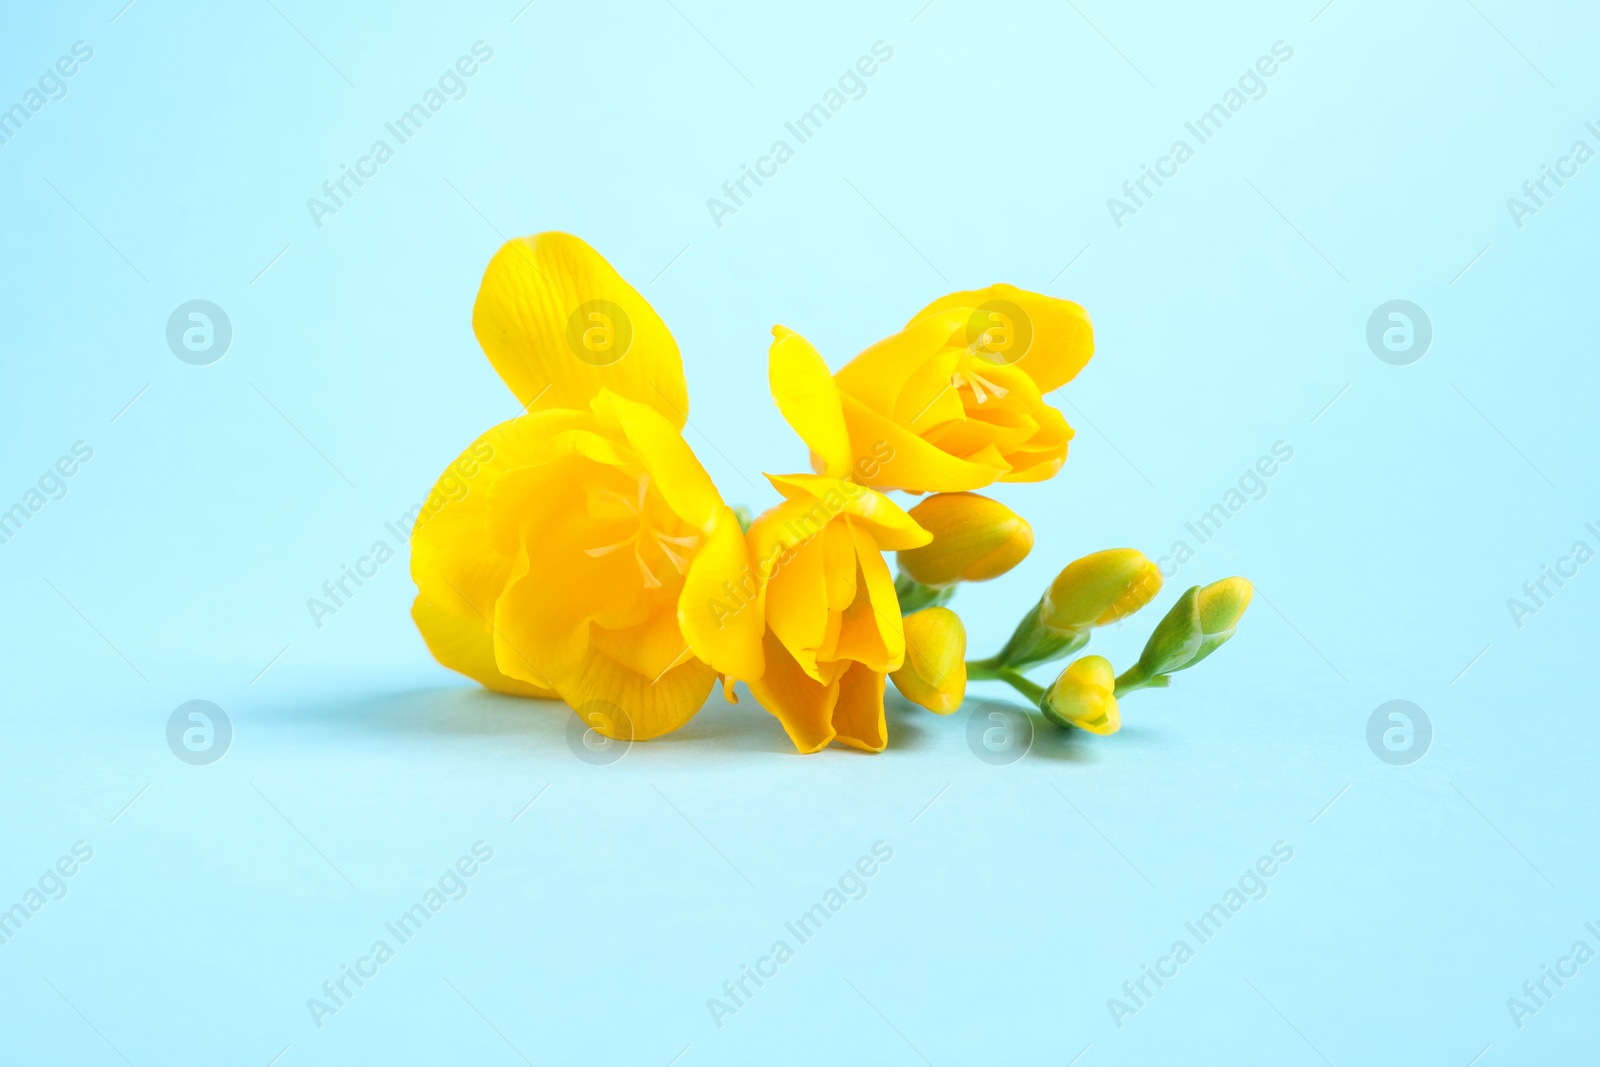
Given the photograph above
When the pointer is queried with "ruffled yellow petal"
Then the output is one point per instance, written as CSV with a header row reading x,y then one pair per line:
x,y
877,376
641,672
859,635
1060,339
463,640
800,703
648,707
834,497
460,567
858,719
808,398
559,324
912,463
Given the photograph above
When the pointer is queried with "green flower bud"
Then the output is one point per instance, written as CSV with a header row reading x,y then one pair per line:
x,y
1199,623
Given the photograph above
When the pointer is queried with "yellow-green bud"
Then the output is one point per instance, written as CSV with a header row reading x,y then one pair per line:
x,y
1099,589
974,539
1198,624
1083,695
1222,605
934,673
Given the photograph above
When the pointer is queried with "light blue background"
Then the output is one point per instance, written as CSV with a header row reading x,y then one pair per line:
x,y
1229,312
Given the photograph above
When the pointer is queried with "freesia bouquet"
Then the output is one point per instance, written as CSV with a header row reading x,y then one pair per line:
x,y
582,553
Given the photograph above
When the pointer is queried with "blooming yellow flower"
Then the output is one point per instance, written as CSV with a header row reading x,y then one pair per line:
x,y
934,674
974,539
833,627
954,401
584,555
1083,695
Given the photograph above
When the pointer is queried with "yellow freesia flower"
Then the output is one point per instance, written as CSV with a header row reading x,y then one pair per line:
x,y
833,627
952,402
584,554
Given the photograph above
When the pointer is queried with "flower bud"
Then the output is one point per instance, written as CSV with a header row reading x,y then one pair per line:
x,y
1083,696
1222,604
1199,623
974,539
1100,589
934,673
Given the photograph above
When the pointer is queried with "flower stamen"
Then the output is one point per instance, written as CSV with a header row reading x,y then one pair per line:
x,y
645,533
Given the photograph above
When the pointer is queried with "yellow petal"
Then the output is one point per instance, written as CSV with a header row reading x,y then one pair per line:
x,y
889,456
877,376
559,324
831,498
880,595
1060,340
859,636
718,611
636,707
797,602
540,634
649,649
668,459
839,556
463,640
808,398
801,704
455,561
858,716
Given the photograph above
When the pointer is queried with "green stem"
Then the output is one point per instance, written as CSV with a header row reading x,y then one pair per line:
x,y
1135,677
1031,690
989,670
1033,643
984,670
914,596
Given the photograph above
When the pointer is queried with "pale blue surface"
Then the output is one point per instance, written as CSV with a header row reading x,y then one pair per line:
x,y
1229,312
